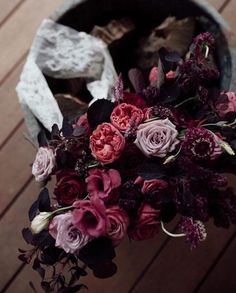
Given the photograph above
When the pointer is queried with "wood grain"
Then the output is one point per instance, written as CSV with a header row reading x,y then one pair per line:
x,y
217,4
178,269
222,278
15,170
12,114
17,34
229,14
10,233
7,7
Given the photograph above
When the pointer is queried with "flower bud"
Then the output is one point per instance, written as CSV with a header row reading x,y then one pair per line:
x,y
40,222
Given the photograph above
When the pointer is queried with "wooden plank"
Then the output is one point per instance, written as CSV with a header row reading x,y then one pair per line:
x,y
222,278
217,4
12,114
17,34
7,7
15,160
178,269
229,14
10,233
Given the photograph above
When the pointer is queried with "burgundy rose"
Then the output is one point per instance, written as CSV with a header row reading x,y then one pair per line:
x,y
152,185
147,224
133,99
103,184
118,222
69,187
125,115
67,236
44,163
89,216
106,143
130,161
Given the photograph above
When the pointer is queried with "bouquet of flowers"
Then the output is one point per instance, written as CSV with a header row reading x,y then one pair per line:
x,y
128,166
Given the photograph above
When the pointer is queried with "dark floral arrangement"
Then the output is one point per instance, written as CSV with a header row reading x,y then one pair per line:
x,y
130,166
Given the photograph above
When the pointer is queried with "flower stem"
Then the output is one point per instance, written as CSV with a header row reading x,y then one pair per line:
x,y
185,101
171,234
62,210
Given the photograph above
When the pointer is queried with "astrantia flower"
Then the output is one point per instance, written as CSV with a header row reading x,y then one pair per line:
x,y
67,236
201,144
158,111
157,138
124,115
106,143
44,163
195,231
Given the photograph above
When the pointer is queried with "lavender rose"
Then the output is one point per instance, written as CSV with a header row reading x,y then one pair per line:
x,y
44,163
67,236
157,138
118,222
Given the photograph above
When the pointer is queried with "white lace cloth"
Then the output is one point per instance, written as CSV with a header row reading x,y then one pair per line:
x,y
61,52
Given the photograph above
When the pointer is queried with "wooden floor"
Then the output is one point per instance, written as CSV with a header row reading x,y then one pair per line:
x,y
161,265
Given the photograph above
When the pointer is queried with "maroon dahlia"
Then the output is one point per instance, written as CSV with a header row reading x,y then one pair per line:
x,y
200,144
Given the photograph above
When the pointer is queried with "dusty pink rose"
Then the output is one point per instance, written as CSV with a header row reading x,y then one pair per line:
x,y
157,138
125,115
89,216
170,74
118,222
103,184
44,163
147,224
153,76
67,236
226,103
152,185
82,122
106,143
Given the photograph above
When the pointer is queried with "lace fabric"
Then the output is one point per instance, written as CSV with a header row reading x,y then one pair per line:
x,y
61,52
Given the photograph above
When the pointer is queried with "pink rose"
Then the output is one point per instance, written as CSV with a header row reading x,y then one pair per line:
x,y
67,236
153,76
124,115
170,74
157,138
106,143
118,222
82,122
89,216
44,163
147,224
226,103
152,185
103,184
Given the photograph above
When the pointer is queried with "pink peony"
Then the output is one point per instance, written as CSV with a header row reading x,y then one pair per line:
x,y
147,224
44,163
89,216
157,138
118,222
126,115
67,236
103,184
106,143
